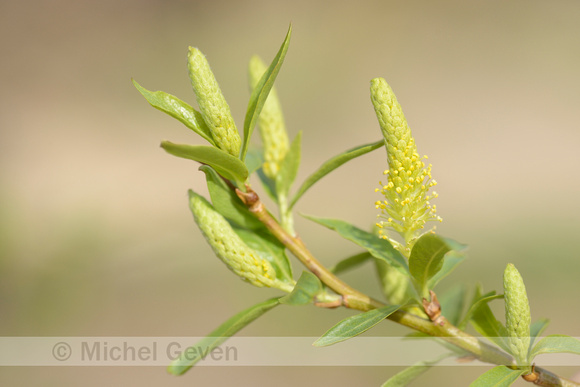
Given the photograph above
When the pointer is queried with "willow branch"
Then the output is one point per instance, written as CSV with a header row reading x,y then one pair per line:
x,y
355,299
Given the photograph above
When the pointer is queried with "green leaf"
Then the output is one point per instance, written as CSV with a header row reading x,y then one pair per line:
x,y
225,164
450,261
269,248
485,323
426,260
269,185
453,244
378,247
307,287
537,328
254,159
452,303
178,109
220,335
477,301
289,167
227,203
409,374
556,344
332,164
350,263
355,325
261,91
499,376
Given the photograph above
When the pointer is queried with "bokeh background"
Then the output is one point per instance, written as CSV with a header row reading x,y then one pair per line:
x,y
96,238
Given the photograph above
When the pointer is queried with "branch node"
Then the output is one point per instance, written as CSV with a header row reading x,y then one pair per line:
x,y
533,376
433,309
250,198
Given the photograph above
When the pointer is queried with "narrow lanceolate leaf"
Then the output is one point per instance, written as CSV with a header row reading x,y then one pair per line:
x,y
452,303
269,185
355,325
271,122
476,302
556,344
254,159
261,91
307,287
270,249
225,164
537,328
220,335
426,260
450,262
406,376
499,376
227,203
378,247
178,109
350,263
289,167
332,164
486,324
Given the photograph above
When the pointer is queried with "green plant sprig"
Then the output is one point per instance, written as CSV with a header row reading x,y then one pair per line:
x,y
253,243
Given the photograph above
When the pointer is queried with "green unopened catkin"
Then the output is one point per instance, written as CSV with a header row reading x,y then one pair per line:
x,y
517,314
212,104
230,248
270,123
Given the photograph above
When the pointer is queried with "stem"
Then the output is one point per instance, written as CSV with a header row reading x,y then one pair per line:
x,y
286,216
354,299
351,298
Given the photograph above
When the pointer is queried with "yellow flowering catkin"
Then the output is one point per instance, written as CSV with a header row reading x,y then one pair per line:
x,y
517,314
270,123
406,207
212,104
230,248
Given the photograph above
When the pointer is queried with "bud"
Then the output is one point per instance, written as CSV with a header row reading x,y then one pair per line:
x,y
517,314
230,248
270,123
406,207
212,104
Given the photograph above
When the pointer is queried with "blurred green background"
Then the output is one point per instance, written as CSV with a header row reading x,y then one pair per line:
x,y
96,238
